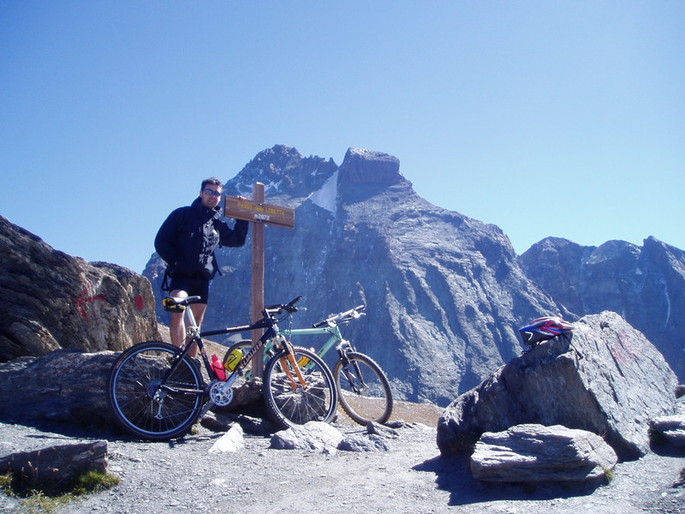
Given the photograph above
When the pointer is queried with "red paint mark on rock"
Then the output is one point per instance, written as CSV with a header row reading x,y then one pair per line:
x,y
82,300
139,302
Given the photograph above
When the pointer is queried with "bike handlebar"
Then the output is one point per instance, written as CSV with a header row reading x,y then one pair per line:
x,y
268,320
341,317
271,310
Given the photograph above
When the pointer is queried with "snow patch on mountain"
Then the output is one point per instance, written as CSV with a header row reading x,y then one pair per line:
x,y
327,196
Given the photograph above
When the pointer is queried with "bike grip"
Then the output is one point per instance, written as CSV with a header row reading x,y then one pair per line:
x,y
293,302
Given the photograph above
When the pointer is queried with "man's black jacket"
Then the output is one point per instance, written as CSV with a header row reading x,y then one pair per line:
x,y
189,236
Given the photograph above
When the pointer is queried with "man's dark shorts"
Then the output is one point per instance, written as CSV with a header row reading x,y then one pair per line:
x,y
192,286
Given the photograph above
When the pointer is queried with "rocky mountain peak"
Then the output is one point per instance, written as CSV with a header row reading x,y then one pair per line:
x,y
615,250
362,166
668,256
284,171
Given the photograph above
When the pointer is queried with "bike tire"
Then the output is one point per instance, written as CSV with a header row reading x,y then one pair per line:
x,y
317,400
363,389
135,379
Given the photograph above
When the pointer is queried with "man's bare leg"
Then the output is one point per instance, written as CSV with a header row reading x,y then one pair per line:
x,y
177,326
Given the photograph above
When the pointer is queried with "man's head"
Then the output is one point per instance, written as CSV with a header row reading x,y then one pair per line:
x,y
210,192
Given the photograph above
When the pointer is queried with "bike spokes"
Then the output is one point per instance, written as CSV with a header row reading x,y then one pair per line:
x,y
296,395
364,389
153,398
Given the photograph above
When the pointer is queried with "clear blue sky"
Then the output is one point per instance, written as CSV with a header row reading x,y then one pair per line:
x,y
562,118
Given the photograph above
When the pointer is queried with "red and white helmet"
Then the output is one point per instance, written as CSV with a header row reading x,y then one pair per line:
x,y
542,329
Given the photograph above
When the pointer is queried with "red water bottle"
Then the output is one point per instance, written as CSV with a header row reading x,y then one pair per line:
x,y
218,368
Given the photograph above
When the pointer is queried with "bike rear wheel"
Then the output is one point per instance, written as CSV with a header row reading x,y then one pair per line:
x,y
149,398
364,390
292,400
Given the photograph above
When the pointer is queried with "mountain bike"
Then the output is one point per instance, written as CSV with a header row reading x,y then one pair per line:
x,y
363,388
157,391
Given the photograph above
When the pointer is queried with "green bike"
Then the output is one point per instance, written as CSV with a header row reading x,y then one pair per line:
x,y
363,388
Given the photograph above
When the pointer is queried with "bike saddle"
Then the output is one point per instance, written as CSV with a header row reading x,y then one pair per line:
x,y
178,303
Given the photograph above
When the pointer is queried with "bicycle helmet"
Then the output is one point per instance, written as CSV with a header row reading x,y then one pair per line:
x,y
543,329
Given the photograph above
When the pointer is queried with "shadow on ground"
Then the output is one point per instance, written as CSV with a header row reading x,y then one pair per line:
x,y
454,476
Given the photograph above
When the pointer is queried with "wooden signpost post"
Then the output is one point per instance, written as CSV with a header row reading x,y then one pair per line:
x,y
260,213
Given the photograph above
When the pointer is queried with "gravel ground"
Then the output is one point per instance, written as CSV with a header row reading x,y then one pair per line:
x,y
182,476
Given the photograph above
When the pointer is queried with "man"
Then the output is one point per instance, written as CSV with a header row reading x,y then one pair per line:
x,y
186,241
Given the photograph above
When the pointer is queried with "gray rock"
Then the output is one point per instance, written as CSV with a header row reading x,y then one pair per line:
x,y
365,443
671,429
232,441
609,380
52,300
383,431
373,440
314,436
54,469
64,385
535,453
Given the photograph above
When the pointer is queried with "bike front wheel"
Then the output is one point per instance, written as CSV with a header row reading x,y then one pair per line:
x,y
364,389
299,388
154,393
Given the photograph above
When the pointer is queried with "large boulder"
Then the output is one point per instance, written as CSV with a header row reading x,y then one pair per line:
x,y
608,379
64,386
70,386
52,300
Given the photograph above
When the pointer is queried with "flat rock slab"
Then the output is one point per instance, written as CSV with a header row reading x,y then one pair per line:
x,y
55,468
532,453
671,428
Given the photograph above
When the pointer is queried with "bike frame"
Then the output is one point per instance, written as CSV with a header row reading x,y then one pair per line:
x,y
194,336
335,336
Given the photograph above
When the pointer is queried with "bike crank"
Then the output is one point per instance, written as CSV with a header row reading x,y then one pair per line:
x,y
221,393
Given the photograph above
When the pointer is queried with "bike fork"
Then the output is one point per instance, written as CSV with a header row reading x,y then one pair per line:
x,y
288,363
354,376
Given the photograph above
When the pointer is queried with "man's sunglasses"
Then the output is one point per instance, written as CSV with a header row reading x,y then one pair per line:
x,y
211,192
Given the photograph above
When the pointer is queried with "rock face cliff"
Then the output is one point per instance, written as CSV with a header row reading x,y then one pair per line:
x,y
52,300
444,293
645,285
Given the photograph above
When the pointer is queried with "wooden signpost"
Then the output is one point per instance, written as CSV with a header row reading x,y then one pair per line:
x,y
260,213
